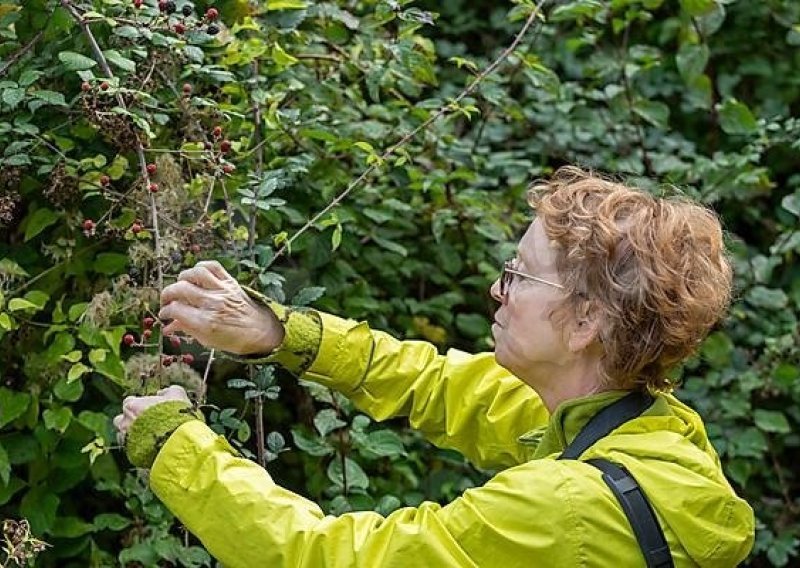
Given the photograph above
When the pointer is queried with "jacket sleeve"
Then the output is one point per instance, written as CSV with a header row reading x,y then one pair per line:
x,y
246,521
458,401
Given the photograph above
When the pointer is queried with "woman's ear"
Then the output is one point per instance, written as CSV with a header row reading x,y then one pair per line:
x,y
585,329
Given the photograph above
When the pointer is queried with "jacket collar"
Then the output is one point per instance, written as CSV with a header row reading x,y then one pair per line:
x,y
566,422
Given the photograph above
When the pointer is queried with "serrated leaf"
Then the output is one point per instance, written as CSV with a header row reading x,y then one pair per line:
x,y
318,446
326,421
57,419
275,442
115,57
336,237
51,97
769,298
12,405
76,371
308,295
75,61
111,521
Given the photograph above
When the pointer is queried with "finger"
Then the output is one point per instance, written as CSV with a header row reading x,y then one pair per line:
x,y
175,392
215,268
120,438
201,276
184,318
118,421
184,291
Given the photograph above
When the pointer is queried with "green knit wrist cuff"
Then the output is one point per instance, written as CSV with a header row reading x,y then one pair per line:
x,y
152,428
303,334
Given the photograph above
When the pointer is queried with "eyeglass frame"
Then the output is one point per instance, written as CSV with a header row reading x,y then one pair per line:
x,y
505,281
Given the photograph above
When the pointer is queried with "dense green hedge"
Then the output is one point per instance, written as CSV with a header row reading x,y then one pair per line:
x,y
696,96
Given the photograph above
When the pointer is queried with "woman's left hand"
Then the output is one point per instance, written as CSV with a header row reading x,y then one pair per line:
x,y
134,406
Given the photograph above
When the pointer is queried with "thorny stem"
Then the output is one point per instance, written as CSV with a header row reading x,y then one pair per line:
x,y
101,60
251,236
405,139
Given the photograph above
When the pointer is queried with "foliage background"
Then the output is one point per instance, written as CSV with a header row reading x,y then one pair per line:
x,y
696,96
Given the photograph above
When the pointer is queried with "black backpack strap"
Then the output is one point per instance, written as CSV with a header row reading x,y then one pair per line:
x,y
604,422
639,512
631,498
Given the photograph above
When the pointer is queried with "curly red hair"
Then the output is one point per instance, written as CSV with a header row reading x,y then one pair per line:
x,y
655,269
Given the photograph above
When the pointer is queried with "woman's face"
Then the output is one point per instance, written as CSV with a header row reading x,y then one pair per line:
x,y
526,341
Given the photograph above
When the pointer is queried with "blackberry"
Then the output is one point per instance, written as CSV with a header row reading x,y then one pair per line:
x,y
171,7
187,10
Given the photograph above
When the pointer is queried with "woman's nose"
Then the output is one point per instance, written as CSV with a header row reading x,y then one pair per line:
x,y
494,291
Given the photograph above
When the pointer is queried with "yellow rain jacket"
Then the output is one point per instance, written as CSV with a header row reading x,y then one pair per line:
x,y
535,512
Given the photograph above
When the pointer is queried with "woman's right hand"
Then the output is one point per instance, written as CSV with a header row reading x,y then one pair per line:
x,y
209,304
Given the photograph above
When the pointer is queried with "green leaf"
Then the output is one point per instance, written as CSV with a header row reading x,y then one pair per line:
x,y
75,61
110,263
76,371
12,97
771,421
697,7
383,443
5,466
39,506
736,118
317,446
51,97
355,477
336,237
473,325
71,527
308,295
57,419
29,77
117,59
110,521
717,349
692,61
38,221
326,421
654,112
274,5
768,298
12,405
282,58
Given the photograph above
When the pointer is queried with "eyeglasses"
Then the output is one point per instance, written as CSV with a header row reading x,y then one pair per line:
x,y
507,275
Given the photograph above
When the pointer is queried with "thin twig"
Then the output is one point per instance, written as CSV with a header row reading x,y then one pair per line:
x,y
30,45
405,139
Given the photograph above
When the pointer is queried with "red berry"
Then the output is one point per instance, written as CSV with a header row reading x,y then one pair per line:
x,y
179,28
212,14
187,88
225,146
217,131
187,358
228,168
162,5
86,86
136,228
195,248
148,322
105,180
151,169
147,333
166,360
153,187
128,339
175,341
88,225
137,3
104,85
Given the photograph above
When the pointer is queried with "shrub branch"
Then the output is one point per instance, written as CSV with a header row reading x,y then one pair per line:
x,y
535,13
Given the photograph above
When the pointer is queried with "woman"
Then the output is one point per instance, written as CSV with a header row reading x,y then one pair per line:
x,y
610,289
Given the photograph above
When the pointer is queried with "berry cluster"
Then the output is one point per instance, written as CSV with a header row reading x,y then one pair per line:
x,y
129,340
168,8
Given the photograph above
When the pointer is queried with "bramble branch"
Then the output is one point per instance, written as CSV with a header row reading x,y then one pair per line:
x,y
535,13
